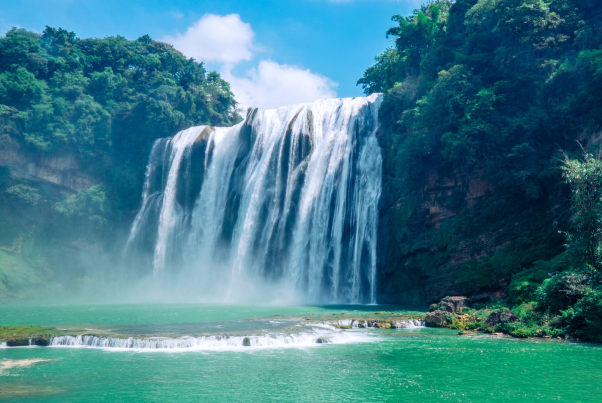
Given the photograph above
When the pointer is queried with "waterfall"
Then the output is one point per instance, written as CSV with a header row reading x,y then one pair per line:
x,y
288,196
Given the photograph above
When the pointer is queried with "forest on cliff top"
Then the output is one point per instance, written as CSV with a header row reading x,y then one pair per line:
x,y
483,101
103,102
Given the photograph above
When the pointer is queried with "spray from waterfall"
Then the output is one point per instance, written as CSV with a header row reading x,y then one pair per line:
x,y
288,197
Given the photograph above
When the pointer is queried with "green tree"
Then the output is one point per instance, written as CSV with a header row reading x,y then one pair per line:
x,y
103,100
585,179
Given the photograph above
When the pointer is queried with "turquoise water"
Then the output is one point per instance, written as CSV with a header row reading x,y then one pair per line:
x,y
418,365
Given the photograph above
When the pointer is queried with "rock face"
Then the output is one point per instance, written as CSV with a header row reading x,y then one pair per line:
x,y
452,305
63,170
436,318
502,316
453,233
455,304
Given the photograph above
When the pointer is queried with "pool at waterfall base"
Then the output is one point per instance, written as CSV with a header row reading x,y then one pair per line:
x,y
217,353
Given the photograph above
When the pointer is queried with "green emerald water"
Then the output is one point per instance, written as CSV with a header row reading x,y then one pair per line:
x,y
409,365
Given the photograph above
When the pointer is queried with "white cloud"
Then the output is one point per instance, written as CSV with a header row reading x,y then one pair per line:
x,y
227,41
214,38
271,85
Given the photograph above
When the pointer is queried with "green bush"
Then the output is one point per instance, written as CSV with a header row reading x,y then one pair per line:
x,y
103,100
91,204
524,285
25,194
525,311
584,320
562,291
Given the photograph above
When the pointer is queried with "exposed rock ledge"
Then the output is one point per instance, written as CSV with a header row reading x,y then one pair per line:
x,y
63,169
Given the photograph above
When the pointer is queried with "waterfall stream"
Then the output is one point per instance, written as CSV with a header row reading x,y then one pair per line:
x,y
288,196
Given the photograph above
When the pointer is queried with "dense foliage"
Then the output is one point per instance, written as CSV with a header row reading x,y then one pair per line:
x,y
106,100
491,84
101,102
496,88
585,179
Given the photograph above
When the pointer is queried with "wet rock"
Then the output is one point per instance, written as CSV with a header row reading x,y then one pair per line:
x,y
437,318
383,325
456,304
451,304
246,342
502,316
322,340
17,342
40,340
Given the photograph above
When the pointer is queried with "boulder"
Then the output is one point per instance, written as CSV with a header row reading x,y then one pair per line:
x,y
436,318
383,325
501,316
40,340
17,342
454,304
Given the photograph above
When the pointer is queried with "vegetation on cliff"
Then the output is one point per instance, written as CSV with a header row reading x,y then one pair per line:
x,y
103,101
480,98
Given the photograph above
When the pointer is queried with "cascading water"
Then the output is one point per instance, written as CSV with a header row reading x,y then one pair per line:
x,y
289,196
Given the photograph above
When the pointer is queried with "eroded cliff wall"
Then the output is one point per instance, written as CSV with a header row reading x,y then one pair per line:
x,y
454,233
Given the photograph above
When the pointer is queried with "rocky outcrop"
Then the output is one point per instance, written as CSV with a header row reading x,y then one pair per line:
x,y
61,169
502,316
437,318
453,233
455,304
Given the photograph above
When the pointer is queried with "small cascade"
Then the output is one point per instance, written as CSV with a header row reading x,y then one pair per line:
x,y
373,324
289,196
300,340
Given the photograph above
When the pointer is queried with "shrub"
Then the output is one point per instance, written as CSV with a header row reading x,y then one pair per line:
x,y
524,285
562,291
524,311
92,204
584,320
25,194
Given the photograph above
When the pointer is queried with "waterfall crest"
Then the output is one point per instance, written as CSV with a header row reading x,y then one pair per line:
x,y
288,196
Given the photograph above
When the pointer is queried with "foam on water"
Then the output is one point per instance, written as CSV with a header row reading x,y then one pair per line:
x,y
371,324
313,337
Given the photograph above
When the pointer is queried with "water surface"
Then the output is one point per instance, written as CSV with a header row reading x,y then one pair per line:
x,y
418,365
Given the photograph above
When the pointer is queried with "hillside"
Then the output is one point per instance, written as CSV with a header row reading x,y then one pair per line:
x,y
77,120
481,100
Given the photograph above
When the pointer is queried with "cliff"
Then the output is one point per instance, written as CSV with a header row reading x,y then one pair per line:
x,y
456,233
63,170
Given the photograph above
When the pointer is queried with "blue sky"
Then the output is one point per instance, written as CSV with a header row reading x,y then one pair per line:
x,y
272,51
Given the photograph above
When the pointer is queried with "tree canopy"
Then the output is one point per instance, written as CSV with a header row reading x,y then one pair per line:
x,y
471,84
105,100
